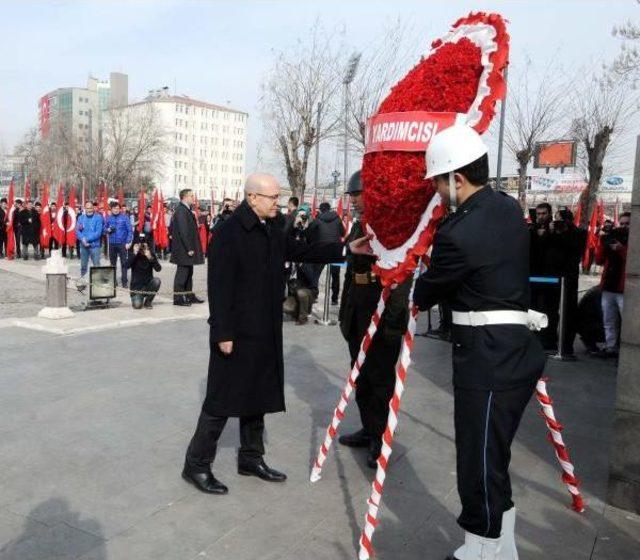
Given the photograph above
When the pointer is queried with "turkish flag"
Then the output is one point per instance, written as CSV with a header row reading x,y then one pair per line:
x,y
105,201
72,218
592,238
11,211
57,230
141,208
161,232
45,218
196,206
27,190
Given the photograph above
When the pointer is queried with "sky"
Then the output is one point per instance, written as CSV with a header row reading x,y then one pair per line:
x,y
220,51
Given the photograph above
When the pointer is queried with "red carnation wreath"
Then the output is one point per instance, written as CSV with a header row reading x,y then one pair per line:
x,y
461,79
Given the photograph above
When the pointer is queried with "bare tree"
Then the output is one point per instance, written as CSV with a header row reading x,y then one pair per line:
x,y
300,79
627,63
534,113
382,64
604,107
133,145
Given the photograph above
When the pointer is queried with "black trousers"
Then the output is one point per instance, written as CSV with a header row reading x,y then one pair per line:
x,y
183,281
546,299
485,425
25,250
570,313
203,447
18,236
374,387
119,250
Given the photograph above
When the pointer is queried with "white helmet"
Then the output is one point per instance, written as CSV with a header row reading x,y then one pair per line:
x,y
452,149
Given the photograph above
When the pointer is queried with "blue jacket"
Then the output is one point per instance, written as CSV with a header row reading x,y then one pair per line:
x,y
90,229
122,231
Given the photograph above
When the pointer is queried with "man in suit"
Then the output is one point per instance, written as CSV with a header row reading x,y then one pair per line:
x,y
246,371
186,250
480,267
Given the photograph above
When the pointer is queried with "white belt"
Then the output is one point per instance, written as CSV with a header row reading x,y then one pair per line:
x,y
531,319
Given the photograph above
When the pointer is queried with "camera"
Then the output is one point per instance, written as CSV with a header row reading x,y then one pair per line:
x,y
617,235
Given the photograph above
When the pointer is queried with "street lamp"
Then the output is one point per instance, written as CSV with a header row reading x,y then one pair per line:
x,y
335,174
352,66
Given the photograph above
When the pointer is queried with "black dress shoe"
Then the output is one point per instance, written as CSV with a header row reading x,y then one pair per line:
x,y
181,301
205,482
375,447
195,299
261,470
356,439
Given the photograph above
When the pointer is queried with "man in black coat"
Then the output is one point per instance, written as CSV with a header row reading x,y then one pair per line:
x,y
480,266
328,227
3,227
246,372
186,250
29,221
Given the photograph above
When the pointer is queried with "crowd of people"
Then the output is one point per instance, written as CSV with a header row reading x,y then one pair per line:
x,y
89,233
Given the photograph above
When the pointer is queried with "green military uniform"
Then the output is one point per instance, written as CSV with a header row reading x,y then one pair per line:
x,y
375,384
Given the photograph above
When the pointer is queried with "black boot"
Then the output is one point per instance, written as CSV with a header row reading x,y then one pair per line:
x,y
204,481
356,439
181,300
192,298
374,452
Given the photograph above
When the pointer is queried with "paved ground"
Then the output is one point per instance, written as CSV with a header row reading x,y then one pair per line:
x,y
93,428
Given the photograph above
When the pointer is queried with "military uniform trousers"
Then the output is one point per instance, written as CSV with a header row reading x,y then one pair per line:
x,y
485,425
374,387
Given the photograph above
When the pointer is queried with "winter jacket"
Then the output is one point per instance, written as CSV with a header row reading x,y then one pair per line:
x,y
89,229
326,228
614,263
122,232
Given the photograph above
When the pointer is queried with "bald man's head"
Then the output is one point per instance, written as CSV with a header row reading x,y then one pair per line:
x,y
262,192
261,182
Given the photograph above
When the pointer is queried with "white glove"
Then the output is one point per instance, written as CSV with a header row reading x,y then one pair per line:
x,y
536,320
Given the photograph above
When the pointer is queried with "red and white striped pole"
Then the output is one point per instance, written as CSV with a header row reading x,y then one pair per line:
x,y
371,517
555,437
338,413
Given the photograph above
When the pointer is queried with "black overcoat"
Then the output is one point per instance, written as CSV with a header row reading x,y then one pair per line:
x,y
480,262
30,222
185,238
246,290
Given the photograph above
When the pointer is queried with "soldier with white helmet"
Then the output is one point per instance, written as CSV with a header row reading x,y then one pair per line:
x,y
480,268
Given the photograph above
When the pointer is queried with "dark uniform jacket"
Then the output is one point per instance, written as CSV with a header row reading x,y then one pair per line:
x,y
246,290
185,237
480,262
30,225
358,303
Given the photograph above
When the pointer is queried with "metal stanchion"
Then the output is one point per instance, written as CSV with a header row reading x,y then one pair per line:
x,y
325,321
561,326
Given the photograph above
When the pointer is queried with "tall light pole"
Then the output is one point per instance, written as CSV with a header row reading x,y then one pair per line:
x,y
315,182
335,174
501,134
352,66
90,150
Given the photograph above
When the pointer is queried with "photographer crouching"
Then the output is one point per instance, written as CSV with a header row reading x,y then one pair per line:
x,y
144,286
